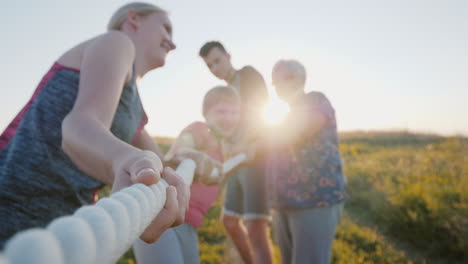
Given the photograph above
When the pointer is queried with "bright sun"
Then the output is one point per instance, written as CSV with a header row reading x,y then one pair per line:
x,y
275,111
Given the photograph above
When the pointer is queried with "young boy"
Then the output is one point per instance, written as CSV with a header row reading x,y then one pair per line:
x,y
245,213
205,142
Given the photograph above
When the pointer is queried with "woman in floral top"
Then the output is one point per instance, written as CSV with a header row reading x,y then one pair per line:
x,y
306,170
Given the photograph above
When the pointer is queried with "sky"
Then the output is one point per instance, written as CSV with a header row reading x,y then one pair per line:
x,y
384,65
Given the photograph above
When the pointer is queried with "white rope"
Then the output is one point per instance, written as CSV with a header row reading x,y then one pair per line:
x,y
100,233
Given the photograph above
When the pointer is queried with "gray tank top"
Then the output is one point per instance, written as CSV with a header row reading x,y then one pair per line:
x,y
38,182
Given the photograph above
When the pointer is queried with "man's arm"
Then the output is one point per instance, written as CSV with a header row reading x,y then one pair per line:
x,y
254,96
300,126
253,88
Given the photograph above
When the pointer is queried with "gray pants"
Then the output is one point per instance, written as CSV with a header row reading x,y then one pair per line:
x,y
178,245
306,235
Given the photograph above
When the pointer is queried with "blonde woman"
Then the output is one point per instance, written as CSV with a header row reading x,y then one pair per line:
x,y
84,128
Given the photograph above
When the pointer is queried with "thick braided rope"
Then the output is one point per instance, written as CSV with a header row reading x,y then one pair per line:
x,y
100,233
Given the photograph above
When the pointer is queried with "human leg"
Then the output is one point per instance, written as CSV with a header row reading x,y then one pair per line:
x,y
282,235
239,236
313,232
260,241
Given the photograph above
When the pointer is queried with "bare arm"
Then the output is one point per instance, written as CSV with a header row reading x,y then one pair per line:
x,y
297,127
300,126
254,95
145,142
184,141
185,147
87,139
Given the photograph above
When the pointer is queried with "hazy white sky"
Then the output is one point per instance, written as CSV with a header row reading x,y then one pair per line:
x,y
383,64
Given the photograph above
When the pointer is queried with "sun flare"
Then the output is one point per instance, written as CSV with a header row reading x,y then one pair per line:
x,y
275,111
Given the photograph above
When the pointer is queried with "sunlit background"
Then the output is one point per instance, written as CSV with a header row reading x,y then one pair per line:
x,y
275,111
384,65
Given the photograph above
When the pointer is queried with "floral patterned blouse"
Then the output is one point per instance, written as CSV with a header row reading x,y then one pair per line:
x,y
308,173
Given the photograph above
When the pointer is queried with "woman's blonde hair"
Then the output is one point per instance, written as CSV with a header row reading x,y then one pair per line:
x,y
142,9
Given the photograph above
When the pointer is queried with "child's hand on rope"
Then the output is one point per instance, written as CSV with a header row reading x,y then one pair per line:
x,y
205,164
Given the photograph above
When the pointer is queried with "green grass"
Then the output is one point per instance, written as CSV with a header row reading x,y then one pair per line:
x,y
416,194
409,202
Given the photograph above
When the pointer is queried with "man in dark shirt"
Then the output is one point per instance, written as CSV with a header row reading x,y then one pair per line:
x,y
246,198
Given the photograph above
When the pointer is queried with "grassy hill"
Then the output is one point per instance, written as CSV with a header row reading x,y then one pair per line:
x,y
409,202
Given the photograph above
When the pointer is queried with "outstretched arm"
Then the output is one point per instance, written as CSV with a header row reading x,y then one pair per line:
x,y
185,147
86,136
88,141
299,127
